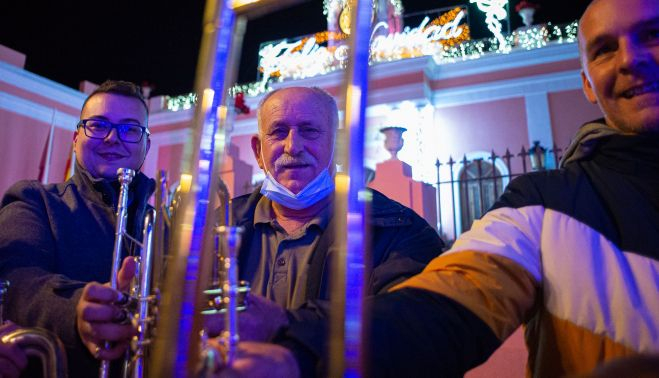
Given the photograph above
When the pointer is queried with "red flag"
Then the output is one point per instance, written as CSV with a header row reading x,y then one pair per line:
x,y
69,169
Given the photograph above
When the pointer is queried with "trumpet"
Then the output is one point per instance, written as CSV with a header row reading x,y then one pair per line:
x,y
37,342
142,299
227,295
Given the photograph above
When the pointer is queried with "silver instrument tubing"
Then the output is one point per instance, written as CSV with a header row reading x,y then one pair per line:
x,y
37,342
44,345
125,177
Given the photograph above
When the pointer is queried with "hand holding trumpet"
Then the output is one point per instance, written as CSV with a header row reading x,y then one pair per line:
x,y
259,360
100,318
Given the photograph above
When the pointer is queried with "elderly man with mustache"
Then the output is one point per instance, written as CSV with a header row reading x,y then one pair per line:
x,y
285,252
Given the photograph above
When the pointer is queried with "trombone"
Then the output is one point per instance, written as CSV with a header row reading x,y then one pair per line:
x,y
178,348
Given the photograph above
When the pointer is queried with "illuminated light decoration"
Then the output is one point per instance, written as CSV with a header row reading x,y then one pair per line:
x,y
428,38
183,102
322,37
307,57
340,4
448,18
495,12
298,60
344,19
468,50
532,38
250,89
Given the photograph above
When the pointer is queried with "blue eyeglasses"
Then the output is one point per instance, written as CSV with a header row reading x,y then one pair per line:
x,y
100,129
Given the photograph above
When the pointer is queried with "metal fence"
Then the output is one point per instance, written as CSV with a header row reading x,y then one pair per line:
x,y
466,189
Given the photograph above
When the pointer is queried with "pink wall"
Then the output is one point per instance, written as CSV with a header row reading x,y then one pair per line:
x,y
509,361
483,126
568,111
22,141
509,74
393,178
169,159
38,99
12,57
244,146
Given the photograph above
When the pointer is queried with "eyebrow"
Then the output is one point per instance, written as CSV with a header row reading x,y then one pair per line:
x,y
123,120
645,23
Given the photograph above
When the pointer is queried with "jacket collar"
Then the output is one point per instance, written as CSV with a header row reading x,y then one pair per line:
x,y
383,212
105,192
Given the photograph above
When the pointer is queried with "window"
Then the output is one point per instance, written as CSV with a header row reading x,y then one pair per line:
x,y
480,184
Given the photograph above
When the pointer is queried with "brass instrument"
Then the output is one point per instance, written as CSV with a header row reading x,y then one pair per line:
x,y
178,349
142,301
351,205
227,294
37,342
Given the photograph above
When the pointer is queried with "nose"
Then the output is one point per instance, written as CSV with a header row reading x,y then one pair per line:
x,y
113,136
632,55
293,143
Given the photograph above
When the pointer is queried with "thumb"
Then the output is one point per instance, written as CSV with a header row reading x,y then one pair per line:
x,y
126,273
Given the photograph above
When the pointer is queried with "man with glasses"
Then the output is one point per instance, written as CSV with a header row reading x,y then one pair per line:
x,y
56,240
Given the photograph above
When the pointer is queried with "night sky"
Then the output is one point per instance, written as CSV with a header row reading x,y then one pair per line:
x,y
158,41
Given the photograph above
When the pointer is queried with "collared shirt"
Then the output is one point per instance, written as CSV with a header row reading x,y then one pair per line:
x,y
282,272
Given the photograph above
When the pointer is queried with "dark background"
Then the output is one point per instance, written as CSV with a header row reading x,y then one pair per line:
x,y
158,40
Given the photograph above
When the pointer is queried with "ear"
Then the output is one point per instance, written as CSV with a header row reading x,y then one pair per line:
x,y
256,149
148,146
588,88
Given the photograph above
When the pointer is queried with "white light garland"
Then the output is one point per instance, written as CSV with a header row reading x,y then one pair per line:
x,y
495,12
307,58
533,38
182,102
339,4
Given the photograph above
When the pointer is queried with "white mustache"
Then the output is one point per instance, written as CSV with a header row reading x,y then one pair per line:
x,y
287,160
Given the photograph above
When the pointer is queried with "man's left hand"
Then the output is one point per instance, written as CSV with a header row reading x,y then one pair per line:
x,y
259,360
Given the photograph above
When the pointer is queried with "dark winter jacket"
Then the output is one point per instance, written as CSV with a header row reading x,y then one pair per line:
x,y
53,240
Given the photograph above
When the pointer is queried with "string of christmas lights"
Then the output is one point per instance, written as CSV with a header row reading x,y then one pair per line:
x,y
535,37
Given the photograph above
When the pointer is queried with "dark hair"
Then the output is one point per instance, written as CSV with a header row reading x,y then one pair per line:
x,y
119,87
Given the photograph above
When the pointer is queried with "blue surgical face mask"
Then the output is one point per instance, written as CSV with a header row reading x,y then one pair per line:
x,y
316,190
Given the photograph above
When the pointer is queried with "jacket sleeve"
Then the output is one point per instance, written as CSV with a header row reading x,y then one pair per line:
x,y
453,315
456,312
401,250
418,333
37,296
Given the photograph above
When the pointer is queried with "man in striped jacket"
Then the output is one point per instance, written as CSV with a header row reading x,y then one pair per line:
x,y
571,254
